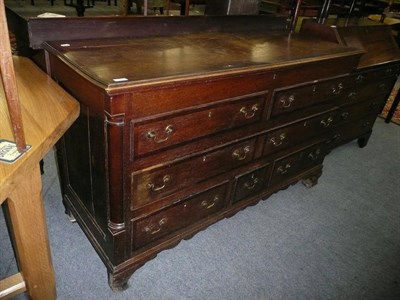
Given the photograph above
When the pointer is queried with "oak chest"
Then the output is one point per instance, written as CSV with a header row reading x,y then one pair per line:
x,y
181,130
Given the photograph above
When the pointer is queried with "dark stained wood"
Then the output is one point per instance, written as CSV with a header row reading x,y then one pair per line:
x,y
171,58
19,27
232,7
42,29
184,11
198,126
371,85
376,39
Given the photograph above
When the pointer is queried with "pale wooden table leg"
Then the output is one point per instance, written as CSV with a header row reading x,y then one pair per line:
x,y
28,220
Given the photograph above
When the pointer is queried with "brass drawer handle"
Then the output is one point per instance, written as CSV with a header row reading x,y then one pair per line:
x,y
337,90
382,86
283,169
360,78
366,125
345,115
152,186
314,155
352,96
277,141
286,101
337,136
155,228
251,114
208,205
168,131
241,154
374,106
252,183
327,122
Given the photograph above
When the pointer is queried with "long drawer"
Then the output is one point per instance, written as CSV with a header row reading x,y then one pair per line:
x,y
155,134
345,133
301,96
184,213
361,92
154,184
374,75
299,132
351,113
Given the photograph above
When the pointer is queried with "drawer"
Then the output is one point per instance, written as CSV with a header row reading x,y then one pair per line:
x,y
370,76
288,100
154,184
351,113
178,216
352,130
297,162
365,91
251,183
299,132
154,135
388,71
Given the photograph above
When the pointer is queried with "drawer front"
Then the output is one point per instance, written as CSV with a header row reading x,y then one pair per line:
x,y
178,216
297,162
288,100
356,111
299,132
251,183
152,185
362,92
352,130
176,129
371,76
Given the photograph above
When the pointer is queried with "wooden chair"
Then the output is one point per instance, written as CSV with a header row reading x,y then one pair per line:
x,y
38,104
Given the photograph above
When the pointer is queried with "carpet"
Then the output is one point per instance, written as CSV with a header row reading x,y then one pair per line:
x,y
396,116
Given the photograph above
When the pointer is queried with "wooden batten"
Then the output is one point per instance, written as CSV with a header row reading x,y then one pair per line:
x,y
9,83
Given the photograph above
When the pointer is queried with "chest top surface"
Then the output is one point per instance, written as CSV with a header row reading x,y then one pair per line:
x,y
130,61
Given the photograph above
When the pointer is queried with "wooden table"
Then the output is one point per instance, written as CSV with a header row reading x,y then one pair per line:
x,y
47,112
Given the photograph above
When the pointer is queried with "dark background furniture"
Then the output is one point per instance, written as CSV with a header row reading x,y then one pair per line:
x,y
232,7
184,9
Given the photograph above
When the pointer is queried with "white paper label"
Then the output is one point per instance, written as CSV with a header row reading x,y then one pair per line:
x,y
120,79
9,152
